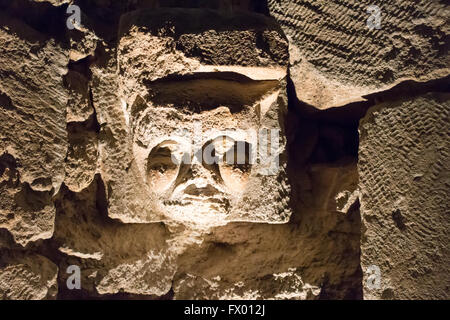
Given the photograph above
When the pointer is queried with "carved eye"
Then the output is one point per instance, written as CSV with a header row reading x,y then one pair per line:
x,y
239,155
236,166
161,169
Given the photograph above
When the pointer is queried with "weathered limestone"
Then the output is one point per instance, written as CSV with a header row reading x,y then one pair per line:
x,y
337,59
113,257
82,156
27,277
404,172
33,131
297,261
133,147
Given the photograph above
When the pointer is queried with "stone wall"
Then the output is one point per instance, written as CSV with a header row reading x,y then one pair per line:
x,y
105,127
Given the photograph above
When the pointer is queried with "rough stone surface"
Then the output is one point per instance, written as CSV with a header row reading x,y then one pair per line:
x,y
82,156
27,277
404,180
337,59
102,128
33,131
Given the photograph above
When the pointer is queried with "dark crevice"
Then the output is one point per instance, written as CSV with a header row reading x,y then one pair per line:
x,y
82,294
334,141
82,66
41,16
224,75
90,124
200,92
95,124
5,102
318,139
399,220
7,161
191,20
101,200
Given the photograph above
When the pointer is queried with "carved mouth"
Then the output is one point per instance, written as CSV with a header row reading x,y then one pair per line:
x,y
204,199
190,199
217,203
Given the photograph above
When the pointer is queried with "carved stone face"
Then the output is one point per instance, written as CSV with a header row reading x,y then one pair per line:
x,y
193,127
197,163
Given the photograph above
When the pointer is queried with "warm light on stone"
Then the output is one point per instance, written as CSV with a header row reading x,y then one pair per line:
x,y
223,149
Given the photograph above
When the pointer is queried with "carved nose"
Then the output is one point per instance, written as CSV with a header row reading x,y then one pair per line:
x,y
200,181
198,171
